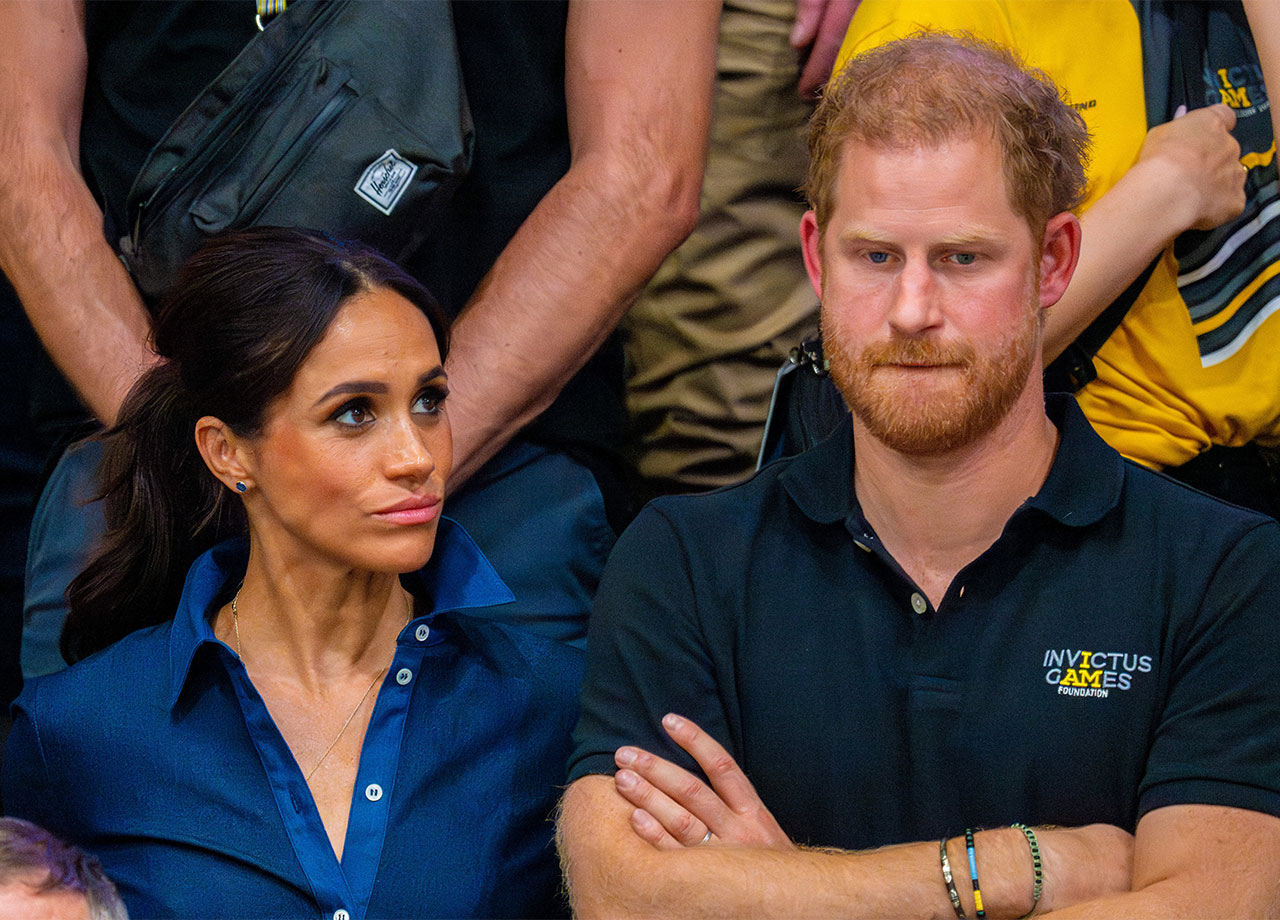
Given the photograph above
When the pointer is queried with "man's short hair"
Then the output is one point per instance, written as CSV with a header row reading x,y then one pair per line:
x,y
935,86
32,856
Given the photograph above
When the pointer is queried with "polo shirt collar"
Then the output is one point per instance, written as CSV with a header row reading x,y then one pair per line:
x,y
457,577
820,480
1087,475
1083,484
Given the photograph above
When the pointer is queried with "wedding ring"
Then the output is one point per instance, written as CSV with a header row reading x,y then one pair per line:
x,y
704,839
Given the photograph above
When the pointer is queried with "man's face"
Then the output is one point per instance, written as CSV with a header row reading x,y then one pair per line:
x,y
22,899
931,313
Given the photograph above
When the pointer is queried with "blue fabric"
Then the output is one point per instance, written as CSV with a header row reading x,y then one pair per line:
x,y
158,756
64,530
537,514
1113,652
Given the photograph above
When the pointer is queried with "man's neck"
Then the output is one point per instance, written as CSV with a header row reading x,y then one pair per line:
x,y
937,513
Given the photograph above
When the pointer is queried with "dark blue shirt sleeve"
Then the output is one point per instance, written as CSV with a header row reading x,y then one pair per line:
x,y
647,654
25,783
1218,739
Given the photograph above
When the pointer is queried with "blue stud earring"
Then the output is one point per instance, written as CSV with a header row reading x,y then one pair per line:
x,y
241,487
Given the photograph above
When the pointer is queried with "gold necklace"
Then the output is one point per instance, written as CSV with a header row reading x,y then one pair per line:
x,y
235,622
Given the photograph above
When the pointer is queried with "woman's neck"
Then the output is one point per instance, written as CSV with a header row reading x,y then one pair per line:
x,y
314,620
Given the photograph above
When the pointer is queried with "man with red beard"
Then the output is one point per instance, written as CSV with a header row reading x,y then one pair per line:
x,y
892,674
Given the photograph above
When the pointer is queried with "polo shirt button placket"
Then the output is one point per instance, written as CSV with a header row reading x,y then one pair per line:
x,y
403,676
422,632
341,914
373,792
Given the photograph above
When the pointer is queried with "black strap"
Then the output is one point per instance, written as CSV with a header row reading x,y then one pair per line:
x,y
1073,369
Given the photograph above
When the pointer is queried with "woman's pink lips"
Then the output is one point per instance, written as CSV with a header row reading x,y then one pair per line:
x,y
416,510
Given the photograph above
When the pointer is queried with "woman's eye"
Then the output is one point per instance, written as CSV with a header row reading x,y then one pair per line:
x,y
430,403
353,415
878,258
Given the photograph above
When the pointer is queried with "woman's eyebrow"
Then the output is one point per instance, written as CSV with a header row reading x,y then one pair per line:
x,y
372,386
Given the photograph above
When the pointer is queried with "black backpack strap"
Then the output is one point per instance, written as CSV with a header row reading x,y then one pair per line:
x,y
1073,369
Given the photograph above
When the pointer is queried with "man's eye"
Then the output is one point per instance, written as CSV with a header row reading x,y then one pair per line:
x,y
878,258
353,415
964,258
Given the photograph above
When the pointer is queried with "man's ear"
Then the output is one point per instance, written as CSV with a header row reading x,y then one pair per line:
x,y
811,240
224,452
1059,254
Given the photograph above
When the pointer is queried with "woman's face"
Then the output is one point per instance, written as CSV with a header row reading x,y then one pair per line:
x,y
351,463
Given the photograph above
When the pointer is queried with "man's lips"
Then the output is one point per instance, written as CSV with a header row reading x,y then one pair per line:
x,y
416,509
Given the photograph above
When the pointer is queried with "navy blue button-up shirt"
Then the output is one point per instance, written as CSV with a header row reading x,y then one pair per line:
x,y
159,756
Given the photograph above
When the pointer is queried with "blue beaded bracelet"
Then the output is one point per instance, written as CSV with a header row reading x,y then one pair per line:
x,y
973,873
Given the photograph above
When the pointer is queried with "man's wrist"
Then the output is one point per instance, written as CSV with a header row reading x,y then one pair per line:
x,y
1005,864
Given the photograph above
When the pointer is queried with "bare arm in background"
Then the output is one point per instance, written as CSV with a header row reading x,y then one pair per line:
x,y
77,294
1264,23
1187,176
638,82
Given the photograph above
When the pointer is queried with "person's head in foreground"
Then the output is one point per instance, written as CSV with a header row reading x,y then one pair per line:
x,y
45,878
941,180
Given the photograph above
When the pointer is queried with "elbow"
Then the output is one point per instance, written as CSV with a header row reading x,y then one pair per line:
x,y
652,192
604,870
675,196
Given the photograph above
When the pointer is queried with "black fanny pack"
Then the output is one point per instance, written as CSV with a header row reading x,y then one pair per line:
x,y
347,116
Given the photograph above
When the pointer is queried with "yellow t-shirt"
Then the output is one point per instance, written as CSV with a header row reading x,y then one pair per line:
x,y
1155,401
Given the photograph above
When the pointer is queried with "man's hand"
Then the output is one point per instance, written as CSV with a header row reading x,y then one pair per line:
x,y
1202,162
817,34
676,809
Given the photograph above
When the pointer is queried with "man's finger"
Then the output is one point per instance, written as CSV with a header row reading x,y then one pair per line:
x,y
650,830
727,778
688,825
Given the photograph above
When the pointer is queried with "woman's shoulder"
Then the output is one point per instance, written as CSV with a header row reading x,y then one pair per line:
x,y
515,650
130,670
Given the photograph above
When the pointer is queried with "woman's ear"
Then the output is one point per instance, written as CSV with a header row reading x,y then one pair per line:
x,y
225,453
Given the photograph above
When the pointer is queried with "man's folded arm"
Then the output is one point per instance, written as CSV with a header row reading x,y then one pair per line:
x,y
611,872
1198,861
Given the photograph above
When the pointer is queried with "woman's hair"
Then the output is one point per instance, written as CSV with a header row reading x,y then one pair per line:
x,y
242,316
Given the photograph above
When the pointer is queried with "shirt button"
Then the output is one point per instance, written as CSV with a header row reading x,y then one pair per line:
x,y
373,792
403,676
422,632
918,603
341,914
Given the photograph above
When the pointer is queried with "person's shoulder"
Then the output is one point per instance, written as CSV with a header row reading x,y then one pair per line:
x,y
133,668
1178,512
515,651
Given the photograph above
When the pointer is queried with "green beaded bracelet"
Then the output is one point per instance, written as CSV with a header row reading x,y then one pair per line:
x,y
1037,868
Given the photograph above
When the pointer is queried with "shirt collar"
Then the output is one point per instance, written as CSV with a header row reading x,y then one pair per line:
x,y
457,577
1084,481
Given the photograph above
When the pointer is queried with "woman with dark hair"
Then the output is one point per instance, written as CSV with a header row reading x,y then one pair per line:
x,y
320,729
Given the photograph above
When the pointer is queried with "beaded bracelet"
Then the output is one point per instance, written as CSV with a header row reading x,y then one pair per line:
x,y
951,883
973,873
1037,868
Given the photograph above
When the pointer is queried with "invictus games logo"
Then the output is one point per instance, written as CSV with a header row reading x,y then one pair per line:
x,y
1076,672
385,180
1240,87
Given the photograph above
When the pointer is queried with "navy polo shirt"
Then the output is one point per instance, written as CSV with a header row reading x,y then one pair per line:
x,y
1113,652
158,756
